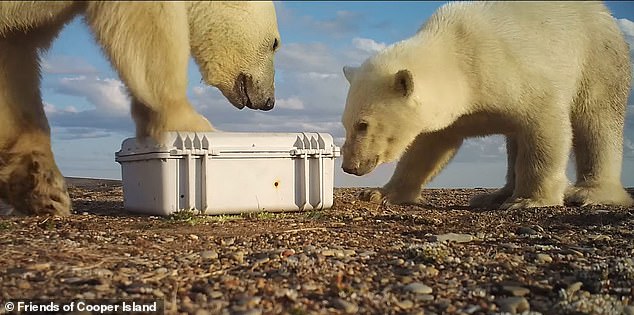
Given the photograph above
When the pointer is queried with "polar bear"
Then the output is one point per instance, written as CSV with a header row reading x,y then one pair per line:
x,y
149,44
550,76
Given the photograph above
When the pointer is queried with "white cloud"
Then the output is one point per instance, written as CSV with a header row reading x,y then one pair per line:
x,y
52,109
67,65
627,27
107,95
290,103
367,45
310,57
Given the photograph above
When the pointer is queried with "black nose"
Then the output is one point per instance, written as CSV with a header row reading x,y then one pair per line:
x,y
349,170
270,102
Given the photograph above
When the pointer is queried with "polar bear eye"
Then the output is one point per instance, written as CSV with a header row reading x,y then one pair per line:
x,y
361,126
276,44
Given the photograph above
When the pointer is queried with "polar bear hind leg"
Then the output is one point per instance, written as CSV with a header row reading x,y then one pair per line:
x,y
598,120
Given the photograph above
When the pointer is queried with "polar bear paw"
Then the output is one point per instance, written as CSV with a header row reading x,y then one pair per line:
x,y
523,203
382,195
491,200
35,186
598,195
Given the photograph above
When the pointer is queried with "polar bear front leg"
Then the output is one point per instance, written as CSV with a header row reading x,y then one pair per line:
x,y
494,199
425,158
540,165
148,44
29,178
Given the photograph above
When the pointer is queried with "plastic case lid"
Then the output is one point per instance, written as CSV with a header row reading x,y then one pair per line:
x,y
229,144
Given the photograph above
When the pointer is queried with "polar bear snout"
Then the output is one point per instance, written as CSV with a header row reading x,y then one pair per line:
x,y
355,164
250,93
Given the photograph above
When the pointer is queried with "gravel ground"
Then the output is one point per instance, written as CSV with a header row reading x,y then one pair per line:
x,y
357,257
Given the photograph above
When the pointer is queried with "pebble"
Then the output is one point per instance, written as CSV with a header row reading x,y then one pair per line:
x,y
574,287
328,252
453,237
39,267
216,294
193,237
209,254
544,258
253,311
238,256
628,310
345,306
23,284
525,230
513,305
428,271
405,304
418,288
516,290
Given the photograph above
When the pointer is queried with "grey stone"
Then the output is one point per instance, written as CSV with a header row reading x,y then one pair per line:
x,y
418,288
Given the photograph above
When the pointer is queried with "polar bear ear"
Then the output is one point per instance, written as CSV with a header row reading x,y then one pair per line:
x,y
404,82
349,72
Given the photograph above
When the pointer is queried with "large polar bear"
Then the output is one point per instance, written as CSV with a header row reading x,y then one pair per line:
x,y
550,76
149,44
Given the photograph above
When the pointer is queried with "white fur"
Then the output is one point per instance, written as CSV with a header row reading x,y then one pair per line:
x,y
537,72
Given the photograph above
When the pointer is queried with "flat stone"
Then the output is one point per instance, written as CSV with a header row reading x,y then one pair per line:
x,y
345,306
525,230
544,258
418,288
516,290
405,304
513,305
574,287
209,254
453,237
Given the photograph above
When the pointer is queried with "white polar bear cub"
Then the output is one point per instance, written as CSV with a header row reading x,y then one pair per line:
x,y
550,76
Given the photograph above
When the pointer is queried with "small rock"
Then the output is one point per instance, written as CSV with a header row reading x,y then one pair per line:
x,y
574,287
525,230
453,237
428,271
345,306
328,252
201,311
193,237
216,294
405,304
23,284
515,290
544,258
238,256
209,254
227,241
513,305
39,267
628,310
425,297
349,252
253,311
287,252
418,288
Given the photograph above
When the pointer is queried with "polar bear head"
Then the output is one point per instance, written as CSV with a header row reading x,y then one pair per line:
x,y
394,96
233,43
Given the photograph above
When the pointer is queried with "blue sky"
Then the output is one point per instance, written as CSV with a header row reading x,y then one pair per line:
x,y
89,113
